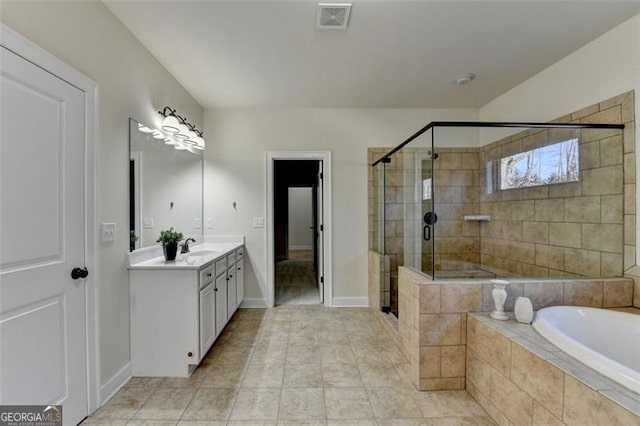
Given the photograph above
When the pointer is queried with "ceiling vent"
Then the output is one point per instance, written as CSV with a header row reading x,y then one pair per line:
x,y
333,15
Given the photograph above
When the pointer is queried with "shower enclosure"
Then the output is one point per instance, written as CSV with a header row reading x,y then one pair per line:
x,y
480,200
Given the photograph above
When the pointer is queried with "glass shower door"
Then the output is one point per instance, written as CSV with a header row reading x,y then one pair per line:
x,y
427,216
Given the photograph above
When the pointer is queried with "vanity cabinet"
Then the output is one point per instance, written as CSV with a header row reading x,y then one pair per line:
x,y
239,276
177,314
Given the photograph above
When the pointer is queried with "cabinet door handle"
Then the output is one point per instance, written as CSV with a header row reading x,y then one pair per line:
x,y
239,269
215,289
209,274
230,276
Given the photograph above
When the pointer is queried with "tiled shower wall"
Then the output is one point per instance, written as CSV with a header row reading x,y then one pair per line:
x,y
584,228
457,177
570,229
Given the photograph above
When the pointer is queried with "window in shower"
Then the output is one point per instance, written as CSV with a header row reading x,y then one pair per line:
x,y
426,189
556,163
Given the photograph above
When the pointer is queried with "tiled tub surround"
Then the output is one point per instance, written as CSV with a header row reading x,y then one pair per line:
x,y
520,378
432,319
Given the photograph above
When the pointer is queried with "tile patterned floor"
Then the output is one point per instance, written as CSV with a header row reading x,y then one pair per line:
x,y
293,365
296,283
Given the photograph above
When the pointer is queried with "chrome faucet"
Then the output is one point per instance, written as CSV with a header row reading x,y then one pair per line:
x,y
185,245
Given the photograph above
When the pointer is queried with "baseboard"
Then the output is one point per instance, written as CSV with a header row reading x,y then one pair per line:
x,y
300,248
114,384
250,302
350,302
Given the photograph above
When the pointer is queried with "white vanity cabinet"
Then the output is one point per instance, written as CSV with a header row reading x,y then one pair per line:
x,y
239,276
177,312
208,331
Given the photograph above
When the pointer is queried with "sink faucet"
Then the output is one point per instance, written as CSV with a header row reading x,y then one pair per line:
x,y
185,245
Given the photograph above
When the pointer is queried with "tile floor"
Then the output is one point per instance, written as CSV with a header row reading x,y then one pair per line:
x,y
296,282
293,365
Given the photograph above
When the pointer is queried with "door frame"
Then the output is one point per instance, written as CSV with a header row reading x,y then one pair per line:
x,y
325,157
33,53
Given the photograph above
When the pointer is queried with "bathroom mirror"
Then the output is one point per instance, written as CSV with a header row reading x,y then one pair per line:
x,y
165,187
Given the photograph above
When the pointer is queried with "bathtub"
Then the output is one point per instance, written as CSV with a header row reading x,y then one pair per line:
x,y
607,341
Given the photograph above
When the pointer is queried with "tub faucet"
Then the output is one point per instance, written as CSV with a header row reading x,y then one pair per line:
x,y
185,245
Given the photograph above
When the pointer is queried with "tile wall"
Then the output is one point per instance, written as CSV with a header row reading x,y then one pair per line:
x,y
583,228
432,321
519,378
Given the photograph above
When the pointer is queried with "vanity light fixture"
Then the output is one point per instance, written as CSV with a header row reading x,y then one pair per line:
x,y
181,129
170,123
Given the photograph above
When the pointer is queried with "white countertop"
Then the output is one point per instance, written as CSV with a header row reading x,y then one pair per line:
x,y
201,255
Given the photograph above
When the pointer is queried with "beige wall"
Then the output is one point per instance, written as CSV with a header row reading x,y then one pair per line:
x,y
131,83
235,171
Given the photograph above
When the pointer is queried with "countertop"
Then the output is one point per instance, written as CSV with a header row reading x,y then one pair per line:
x,y
209,253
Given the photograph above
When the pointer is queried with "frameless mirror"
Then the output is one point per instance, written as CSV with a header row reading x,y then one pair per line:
x,y
165,187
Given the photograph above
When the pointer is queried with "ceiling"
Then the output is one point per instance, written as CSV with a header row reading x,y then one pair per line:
x,y
230,54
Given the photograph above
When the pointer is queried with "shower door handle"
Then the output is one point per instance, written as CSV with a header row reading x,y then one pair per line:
x,y
426,232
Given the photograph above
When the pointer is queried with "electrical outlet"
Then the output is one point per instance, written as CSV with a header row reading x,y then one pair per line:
x,y
209,223
197,223
147,223
108,232
258,222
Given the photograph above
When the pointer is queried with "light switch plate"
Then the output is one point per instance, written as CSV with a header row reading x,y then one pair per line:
x,y
209,223
108,232
197,223
258,222
147,223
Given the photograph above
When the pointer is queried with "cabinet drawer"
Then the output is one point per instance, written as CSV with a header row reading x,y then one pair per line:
x,y
231,260
221,266
206,276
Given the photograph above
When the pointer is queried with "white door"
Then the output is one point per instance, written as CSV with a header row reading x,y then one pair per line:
x,y
232,291
221,302
320,235
239,281
207,318
42,237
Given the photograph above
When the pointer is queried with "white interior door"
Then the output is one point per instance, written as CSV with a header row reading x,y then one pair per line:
x,y
320,234
42,237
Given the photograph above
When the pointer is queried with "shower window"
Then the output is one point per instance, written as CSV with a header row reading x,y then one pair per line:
x,y
556,163
426,189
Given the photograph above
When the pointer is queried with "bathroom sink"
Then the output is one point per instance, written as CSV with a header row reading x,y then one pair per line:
x,y
202,253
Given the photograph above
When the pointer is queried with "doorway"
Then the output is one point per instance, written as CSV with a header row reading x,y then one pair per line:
x,y
298,259
298,230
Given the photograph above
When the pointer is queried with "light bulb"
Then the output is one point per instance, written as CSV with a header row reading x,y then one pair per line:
x,y
144,129
170,124
169,141
157,134
183,132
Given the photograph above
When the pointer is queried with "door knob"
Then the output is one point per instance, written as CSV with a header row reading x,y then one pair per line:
x,y
79,273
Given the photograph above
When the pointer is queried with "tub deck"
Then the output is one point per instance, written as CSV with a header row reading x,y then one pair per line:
x,y
517,375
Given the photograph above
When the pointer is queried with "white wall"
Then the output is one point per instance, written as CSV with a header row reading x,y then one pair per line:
x,y
132,83
606,67
235,171
300,218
